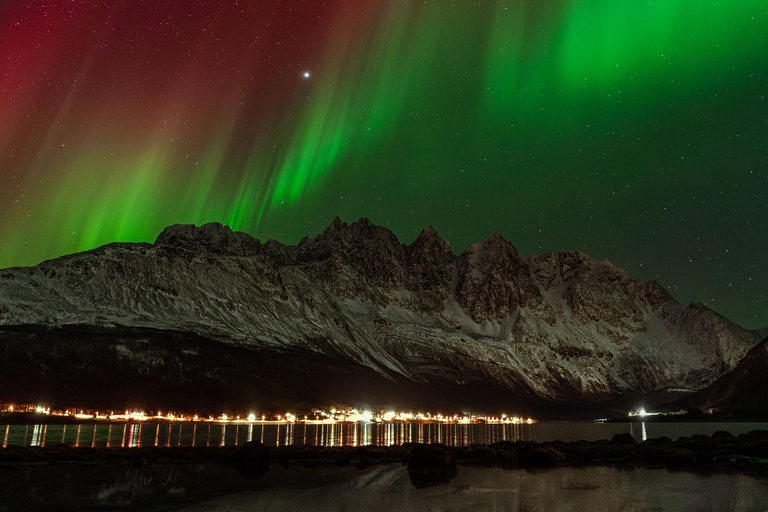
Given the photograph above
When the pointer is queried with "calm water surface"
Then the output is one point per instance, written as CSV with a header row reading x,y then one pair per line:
x,y
344,434
387,488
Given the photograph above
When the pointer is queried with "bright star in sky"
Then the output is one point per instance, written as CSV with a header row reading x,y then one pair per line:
x,y
603,165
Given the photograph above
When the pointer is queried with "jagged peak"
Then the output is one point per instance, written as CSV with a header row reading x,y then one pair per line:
x,y
217,239
339,236
334,231
335,226
577,259
213,238
364,221
579,255
274,243
494,244
362,228
279,252
190,231
429,235
365,226
497,241
429,246
429,232
657,295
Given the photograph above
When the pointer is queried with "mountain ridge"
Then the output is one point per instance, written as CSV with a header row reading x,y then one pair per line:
x,y
562,325
740,391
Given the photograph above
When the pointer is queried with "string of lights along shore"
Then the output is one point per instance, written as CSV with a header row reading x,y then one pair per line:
x,y
633,131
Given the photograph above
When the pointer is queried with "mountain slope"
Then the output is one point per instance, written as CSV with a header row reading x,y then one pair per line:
x,y
741,391
563,326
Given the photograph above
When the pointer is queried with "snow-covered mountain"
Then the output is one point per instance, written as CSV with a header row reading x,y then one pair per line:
x,y
741,392
563,327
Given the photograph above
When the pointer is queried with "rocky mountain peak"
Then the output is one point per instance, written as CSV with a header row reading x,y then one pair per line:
x,y
429,232
428,242
363,227
342,237
656,295
366,230
279,252
359,259
213,239
336,225
561,324
494,252
496,237
430,268
493,281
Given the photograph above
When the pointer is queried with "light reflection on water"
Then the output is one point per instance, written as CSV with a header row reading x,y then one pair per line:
x,y
343,434
134,435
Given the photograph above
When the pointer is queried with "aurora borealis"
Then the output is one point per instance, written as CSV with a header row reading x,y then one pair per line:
x,y
633,131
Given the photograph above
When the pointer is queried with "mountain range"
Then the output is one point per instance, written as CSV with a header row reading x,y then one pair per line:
x,y
206,317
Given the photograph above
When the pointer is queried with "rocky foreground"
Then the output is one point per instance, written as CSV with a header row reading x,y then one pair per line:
x,y
69,478
352,315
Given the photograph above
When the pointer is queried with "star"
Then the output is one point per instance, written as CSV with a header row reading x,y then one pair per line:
x,y
607,165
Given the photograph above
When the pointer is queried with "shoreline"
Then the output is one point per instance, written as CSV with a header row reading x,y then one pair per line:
x,y
719,451
63,477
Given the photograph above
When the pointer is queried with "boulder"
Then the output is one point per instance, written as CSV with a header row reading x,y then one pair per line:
x,y
624,438
251,460
431,464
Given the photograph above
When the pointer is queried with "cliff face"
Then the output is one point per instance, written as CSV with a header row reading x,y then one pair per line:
x,y
560,326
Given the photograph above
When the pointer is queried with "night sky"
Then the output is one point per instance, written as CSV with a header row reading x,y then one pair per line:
x,y
633,131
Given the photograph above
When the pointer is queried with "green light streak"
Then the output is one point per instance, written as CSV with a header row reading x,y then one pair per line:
x,y
567,116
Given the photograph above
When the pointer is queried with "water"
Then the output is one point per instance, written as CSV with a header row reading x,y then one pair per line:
x,y
344,434
387,488
210,487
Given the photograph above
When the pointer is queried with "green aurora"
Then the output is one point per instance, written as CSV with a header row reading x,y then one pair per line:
x,y
633,131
